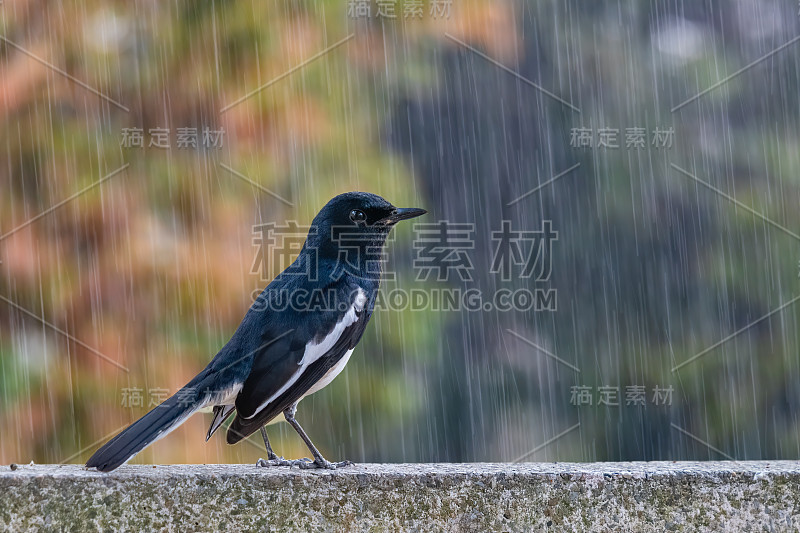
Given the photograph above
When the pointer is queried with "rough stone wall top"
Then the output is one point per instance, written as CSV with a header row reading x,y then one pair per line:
x,y
658,496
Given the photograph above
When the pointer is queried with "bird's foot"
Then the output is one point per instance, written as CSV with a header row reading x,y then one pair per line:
x,y
321,462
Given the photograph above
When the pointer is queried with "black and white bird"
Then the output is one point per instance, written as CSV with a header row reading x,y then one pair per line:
x,y
294,340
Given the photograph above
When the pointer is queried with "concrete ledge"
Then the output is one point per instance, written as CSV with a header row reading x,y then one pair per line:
x,y
721,496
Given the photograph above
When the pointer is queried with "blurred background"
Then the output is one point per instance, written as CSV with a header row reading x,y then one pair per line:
x,y
144,145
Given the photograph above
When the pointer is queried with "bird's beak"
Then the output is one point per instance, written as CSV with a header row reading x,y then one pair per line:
x,y
404,213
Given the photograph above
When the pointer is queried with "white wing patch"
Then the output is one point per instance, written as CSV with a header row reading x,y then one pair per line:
x,y
316,350
330,374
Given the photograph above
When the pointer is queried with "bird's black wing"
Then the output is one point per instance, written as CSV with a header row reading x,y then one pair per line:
x,y
280,377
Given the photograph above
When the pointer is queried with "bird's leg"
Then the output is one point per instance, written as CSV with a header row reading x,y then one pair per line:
x,y
319,461
274,460
270,454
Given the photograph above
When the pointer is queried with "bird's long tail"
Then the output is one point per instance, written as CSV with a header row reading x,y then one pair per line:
x,y
151,427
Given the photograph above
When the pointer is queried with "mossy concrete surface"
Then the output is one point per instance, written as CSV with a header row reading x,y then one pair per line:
x,y
659,496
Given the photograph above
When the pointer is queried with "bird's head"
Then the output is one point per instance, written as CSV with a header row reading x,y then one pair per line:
x,y
356,219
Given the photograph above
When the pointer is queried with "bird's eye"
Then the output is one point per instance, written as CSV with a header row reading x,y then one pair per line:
x,y
357,216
